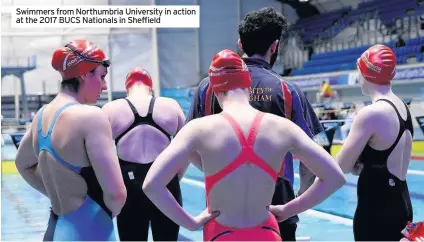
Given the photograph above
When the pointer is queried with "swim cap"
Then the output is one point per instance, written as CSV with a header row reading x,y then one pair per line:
x,y
228,71
77,58
378,65
138,74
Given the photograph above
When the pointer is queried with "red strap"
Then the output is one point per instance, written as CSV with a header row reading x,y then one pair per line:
x,y
288,101
236,128
239,132
283,168
208,101
246,154
288,108
254,129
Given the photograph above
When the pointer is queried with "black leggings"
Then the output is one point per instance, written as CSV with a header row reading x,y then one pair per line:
x,y
138,211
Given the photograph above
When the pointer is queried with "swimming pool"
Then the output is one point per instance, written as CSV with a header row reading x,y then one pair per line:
x,y
25,212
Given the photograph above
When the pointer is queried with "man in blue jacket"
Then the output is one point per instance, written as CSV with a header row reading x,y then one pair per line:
x,y
260,34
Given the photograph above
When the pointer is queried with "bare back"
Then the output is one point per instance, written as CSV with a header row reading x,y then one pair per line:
x,y
386,132
143,143
242,195
66,189
240,173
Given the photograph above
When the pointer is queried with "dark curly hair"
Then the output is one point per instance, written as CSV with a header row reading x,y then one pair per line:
x,y
259,29
73,84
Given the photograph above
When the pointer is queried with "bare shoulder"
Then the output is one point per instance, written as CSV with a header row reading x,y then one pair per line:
x,y
35,118
169,106
278,122
202,125
283,127
196,123
92,117
34,122
88,109
111,108
92,111
169,102
385,107
191,131
371,113
112,104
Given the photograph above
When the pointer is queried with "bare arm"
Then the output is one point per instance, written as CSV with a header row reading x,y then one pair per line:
x,y
27,163
165,167
181,122
196,160
108,110
99,146
304,116
317,160
359,135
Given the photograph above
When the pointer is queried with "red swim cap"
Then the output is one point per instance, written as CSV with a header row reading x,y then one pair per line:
x,y
77,58
378,64
138,74
228,71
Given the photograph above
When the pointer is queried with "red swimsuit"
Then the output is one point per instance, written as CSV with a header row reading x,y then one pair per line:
x,y
268,230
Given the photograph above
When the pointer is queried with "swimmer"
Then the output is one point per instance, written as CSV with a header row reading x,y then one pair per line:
x,y
260,35
381,140
67,153
240,151
142,126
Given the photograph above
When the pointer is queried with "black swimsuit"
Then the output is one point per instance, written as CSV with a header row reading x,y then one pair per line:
x,y
384,205
139,211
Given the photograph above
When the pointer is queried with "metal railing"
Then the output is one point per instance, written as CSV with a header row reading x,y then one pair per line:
x,y
19,61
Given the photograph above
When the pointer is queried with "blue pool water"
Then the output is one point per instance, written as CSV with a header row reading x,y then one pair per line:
x,y
25,211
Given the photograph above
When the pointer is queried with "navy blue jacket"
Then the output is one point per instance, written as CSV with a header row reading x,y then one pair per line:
x,y
271,94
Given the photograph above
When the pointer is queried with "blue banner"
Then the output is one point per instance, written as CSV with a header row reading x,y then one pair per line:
x,y
402,74
409,73
310,82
